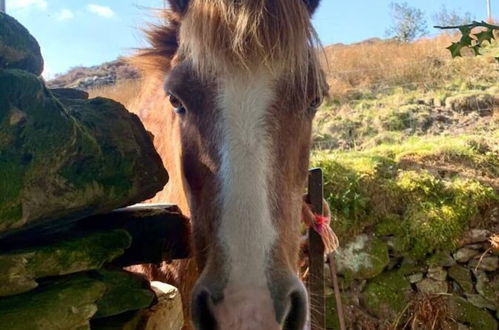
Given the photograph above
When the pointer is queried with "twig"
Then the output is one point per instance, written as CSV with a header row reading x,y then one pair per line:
x,y
471,25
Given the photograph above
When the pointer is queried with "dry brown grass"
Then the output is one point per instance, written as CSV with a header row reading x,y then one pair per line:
x,y
373,66
427,312
377,64
125,92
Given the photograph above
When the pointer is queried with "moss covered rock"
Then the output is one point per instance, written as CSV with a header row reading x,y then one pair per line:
x,y
68,160
387,294
462,276
474,317
363,258
66,303
18,48
20,269
124,292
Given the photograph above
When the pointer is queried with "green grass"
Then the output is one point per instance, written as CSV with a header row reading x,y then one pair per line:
x,y
392,189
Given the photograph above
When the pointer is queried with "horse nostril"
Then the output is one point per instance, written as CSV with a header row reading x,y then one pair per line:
x,y
202,312
297,312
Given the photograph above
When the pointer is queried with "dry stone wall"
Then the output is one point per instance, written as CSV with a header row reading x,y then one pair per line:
x,y
64,159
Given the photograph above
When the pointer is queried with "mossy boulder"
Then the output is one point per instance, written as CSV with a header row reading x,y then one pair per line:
x,y
66,303
462,276
124,292
67,159
20,269
475,318
18,48
387,294
363,258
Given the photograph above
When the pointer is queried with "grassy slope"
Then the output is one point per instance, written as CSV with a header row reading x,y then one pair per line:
x,y
410,141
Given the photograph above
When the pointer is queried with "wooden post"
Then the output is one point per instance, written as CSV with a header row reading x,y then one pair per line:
x,y
2,6
316,255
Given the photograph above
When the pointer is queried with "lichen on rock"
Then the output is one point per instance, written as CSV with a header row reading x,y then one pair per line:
x,y
363,258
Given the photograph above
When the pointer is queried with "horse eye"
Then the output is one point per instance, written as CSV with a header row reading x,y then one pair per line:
x,y
178,107
316,103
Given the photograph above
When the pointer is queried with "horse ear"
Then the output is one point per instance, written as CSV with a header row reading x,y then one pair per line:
x,y
312,5
179,6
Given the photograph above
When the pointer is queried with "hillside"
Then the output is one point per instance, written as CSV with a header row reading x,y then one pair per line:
x,y
86,78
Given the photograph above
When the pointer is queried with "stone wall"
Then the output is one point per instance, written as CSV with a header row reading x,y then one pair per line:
x,y
66,162
449,290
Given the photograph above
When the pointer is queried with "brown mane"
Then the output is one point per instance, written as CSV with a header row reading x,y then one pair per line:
x,y
163,40
228,36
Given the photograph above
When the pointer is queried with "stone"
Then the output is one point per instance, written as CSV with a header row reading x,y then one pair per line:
x,y
488,287
437,273
20,269
66,159
431,286
125,292
363,258
476,236
415,278
440,259
69,93
465,254
18,48
464,312
66,303
387,294
462,276
461,326
167,313
489,264
480,302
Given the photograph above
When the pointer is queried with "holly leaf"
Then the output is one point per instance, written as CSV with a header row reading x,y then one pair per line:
x,y
455,49
485,35
476,49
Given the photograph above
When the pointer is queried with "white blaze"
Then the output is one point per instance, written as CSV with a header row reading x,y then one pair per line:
x,y
246,227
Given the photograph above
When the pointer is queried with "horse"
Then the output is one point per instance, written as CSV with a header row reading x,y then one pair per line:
x,y
229,92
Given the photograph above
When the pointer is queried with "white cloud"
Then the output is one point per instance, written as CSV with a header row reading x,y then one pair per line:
x,y
64,15
100,10
26,4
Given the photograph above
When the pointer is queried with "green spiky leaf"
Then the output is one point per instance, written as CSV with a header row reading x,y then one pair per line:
x,y
486,35
455,49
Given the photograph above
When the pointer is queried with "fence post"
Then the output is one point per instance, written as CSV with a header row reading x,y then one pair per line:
x,y
316,255
2,6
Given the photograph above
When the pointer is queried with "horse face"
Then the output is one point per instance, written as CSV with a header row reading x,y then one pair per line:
x,y
245,134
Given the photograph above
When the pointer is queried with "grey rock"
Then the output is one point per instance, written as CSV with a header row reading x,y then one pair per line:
x,y
437,273
415,278
441,259
489,264
431,286
462,276
465,254
488,287
476,236
480,302
363,258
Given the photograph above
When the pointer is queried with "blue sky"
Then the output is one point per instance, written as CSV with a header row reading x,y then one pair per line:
x,y
89,32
